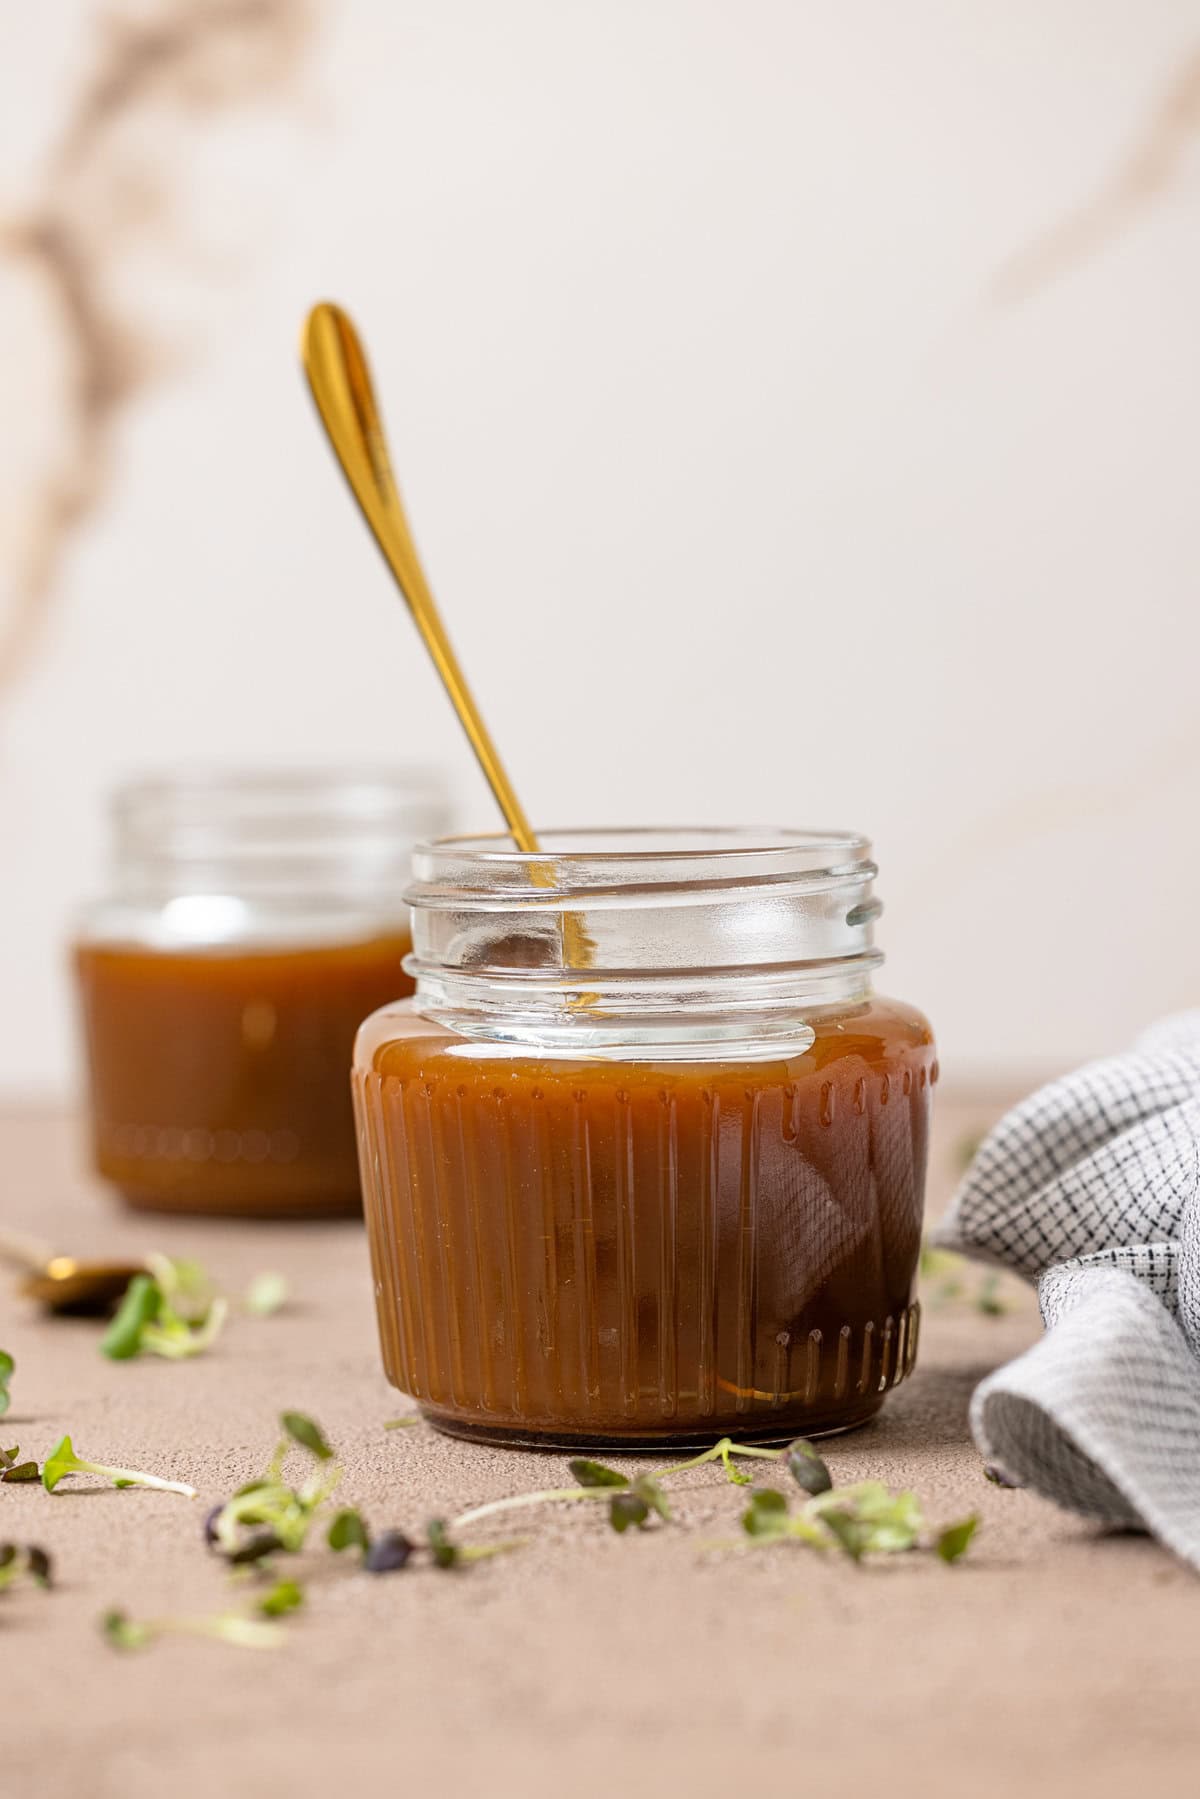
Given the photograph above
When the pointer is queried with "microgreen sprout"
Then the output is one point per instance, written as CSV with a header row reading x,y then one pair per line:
x,y
6,1370
63,1460
863,1519
402,1423
349,1531
266,1293
807,1469
12,1468
147,1322
184,1282
988,1299
447,1554
33,1561
308,1434
124,1632
999,1477
284,1596
269,1514
944,1276
954,1541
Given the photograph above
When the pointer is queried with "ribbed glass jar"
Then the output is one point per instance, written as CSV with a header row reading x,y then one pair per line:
x,y
643,1159
253,921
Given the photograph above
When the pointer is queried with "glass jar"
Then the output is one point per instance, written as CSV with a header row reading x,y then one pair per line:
x,y
253,923
643,1159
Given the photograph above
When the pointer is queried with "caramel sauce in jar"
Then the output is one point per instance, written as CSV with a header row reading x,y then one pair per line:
x,y
622,1255
673,1196
218,1080
252,923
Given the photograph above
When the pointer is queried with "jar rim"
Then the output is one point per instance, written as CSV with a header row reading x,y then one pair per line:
x,y
637,858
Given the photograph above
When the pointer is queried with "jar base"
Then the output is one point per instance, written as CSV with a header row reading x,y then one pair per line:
x,y
645,1442
233,1205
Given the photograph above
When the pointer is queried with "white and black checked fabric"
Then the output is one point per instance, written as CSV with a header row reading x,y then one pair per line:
x,y
1091,1188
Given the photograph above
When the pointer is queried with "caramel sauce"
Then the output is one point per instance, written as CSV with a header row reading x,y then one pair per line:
x,y
632,1253
218,1078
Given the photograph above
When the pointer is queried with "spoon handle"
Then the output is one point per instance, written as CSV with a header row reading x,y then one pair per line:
x,y
337,371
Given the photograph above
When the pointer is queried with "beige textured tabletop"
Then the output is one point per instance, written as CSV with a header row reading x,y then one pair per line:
x,y
1052,1660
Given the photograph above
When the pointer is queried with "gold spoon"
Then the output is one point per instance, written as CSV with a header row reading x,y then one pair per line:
x,y
336,366
63,1283
341,386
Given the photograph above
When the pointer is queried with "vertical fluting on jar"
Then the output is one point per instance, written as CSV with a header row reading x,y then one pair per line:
x,y
650,1238
614,1264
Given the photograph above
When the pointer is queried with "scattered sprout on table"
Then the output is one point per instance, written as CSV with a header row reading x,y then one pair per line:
x,y
269,1513
6,1371
124,1632
303,1430
12,1468
404,1423
63,1461
807,1469
147,1322
348,1531
955,1539
863,1519
32,1561
944,1277
284,1596
266,1293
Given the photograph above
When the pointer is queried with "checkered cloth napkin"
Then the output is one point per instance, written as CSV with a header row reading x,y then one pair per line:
x,y
1091,1188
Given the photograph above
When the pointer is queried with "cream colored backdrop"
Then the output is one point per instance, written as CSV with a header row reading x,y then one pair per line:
x,y
798,406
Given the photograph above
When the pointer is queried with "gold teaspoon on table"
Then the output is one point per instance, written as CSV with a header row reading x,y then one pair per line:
x,y
336,366
65,1283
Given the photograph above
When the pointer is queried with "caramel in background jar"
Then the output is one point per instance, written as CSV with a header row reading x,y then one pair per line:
x,y
219,1080
254,922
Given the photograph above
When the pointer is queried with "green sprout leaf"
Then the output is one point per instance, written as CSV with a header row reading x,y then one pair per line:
x,y
349,1531
402,1423
266,1293
626,1509
124,1632
647,1489
806,1467
184,1284
148,1323
269,1514
303,1430
6,1370
955,1539
33,1561
445,1553
284,1596
63,1460
21,1471
140,1307
595,1474
988,1299
766,1515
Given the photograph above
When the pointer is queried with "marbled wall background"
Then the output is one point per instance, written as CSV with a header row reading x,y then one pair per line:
x,y
797,406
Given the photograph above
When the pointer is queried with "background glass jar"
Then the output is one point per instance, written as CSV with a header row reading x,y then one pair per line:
x,y
643,1160
253,922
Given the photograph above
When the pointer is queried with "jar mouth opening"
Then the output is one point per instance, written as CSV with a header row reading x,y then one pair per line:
x,y
570,863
